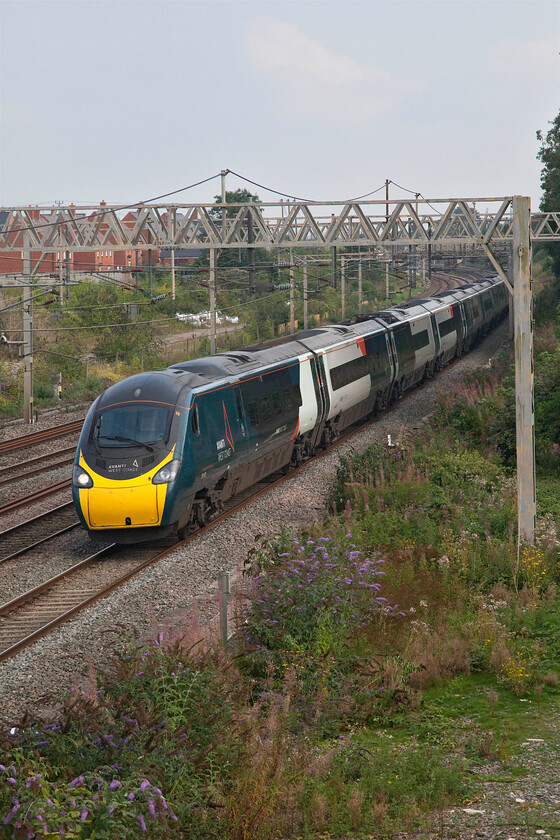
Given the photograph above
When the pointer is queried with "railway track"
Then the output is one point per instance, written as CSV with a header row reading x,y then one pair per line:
x,y
40,437
37,466
36,496
40,610
31,533
37,612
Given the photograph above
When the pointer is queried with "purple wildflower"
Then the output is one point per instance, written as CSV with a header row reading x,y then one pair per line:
x,y
130,797
145,784
114,784
83,815
152,808
141,822
11,814
79,780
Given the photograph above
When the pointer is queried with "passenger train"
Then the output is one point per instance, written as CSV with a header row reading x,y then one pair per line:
x,y
160,452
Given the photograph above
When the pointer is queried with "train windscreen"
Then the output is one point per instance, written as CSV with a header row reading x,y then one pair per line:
x,y
132,424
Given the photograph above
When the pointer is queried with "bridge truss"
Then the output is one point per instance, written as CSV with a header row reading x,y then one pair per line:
x,y
439,222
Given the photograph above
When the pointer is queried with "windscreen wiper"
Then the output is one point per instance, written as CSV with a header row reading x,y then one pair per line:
x,y
128,440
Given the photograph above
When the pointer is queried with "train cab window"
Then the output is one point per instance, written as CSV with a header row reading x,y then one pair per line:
x,y
277,404
129,425
195,420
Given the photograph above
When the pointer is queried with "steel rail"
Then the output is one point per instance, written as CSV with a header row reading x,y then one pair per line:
x,y
10,535
18,475
40,437
15,504
32,594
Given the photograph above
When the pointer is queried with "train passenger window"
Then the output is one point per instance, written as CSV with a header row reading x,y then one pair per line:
x,y
420,339
351,371
291,396
446,327
403,342
277,404
195,420
253,412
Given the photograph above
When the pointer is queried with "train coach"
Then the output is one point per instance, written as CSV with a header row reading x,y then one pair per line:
x,y
161,452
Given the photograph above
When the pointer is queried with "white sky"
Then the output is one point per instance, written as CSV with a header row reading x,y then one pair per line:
x,y
126,100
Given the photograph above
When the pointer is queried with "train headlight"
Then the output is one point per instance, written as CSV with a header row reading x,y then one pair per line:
x,y
167,474
82,479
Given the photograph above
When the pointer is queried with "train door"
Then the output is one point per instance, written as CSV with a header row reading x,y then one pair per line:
x,y
393,358
237,419
321,395
435,331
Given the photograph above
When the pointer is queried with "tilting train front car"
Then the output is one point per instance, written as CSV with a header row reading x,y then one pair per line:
x,y
160,452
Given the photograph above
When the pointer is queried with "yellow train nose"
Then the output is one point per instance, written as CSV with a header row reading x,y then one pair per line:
x,y
124,507
123,503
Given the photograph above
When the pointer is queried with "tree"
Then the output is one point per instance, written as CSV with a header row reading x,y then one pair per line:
x,y
549,155
237,257
233,197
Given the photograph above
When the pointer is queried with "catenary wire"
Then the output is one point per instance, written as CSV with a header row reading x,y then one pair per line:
x,y
299,198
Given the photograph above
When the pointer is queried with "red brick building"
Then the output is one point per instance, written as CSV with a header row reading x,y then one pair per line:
x,y
107,259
